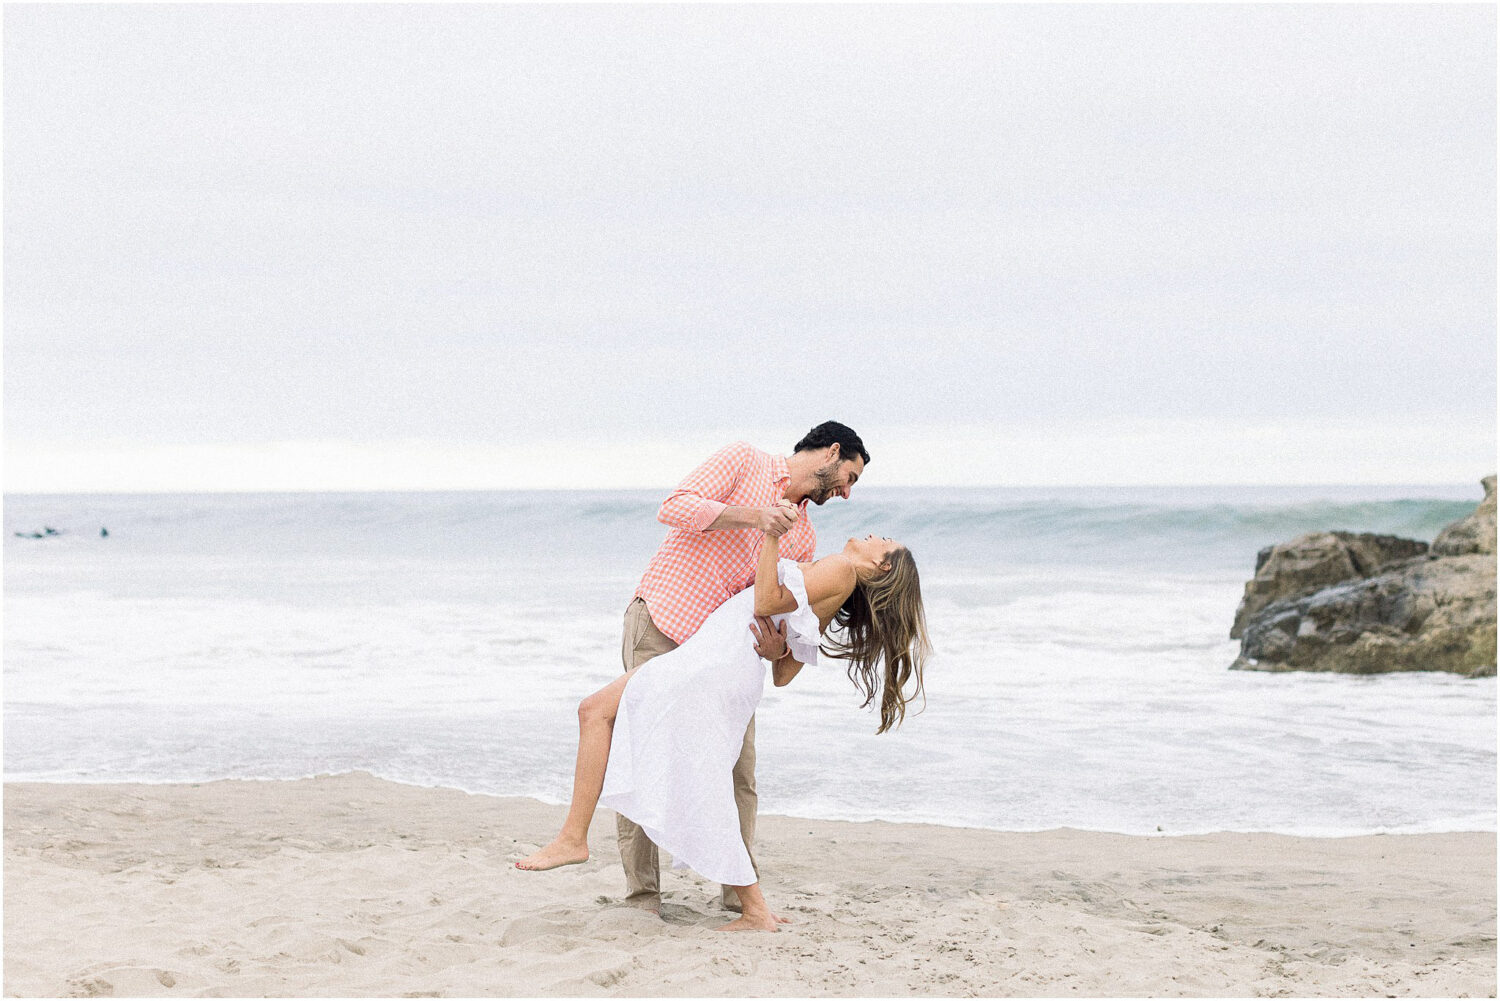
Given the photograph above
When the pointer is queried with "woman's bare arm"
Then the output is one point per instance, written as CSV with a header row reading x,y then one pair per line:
x,y
771,597
785,669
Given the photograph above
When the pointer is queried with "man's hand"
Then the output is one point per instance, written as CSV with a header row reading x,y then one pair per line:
x,y
770,639
776,521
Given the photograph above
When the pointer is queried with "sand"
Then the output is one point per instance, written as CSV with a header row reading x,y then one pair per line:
x,y
351,885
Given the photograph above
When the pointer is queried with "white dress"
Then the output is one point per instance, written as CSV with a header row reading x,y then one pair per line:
x,y
681,725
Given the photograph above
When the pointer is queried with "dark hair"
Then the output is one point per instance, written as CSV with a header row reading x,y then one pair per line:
x,y
834,433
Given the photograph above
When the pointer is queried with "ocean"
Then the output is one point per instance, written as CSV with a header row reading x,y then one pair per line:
x,y
443,639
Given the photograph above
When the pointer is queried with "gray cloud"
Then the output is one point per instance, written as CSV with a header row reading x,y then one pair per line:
x,y
250,223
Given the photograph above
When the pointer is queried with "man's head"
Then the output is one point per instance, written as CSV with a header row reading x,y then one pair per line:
x,y
826,463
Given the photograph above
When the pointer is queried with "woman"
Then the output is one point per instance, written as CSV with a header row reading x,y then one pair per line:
x,y
659,744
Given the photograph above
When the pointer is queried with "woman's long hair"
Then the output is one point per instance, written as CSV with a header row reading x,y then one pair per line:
x,y
882,633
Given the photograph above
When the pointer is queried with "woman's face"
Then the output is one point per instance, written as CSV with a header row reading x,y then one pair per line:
x,y
871,551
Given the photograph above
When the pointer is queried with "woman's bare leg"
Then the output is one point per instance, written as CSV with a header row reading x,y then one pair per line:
x,y
754,914
596,726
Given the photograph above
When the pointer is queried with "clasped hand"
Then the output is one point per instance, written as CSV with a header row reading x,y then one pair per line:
x,y
778,520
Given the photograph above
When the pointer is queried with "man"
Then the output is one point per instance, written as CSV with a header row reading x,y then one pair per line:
x,y
717,517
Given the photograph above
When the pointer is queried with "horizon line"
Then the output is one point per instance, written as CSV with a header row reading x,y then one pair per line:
x,y
670,486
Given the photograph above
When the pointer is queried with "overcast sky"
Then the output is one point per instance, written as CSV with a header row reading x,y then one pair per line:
x,y
417,247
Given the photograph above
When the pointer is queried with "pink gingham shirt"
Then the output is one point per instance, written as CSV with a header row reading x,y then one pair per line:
x,y
695,571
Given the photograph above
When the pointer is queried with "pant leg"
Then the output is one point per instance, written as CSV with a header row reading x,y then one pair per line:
x,y
638,854
744,802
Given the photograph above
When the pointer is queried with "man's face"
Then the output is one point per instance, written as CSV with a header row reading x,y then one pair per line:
x,y
836,478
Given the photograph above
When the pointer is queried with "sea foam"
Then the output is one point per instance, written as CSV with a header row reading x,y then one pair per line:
x,y
444,639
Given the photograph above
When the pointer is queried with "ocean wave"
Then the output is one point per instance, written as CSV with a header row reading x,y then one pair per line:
x,y
1179,528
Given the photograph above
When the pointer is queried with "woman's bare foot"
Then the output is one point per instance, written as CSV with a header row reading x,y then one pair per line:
x,y
558,853
764,921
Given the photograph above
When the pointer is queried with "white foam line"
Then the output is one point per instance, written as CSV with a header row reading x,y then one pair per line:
x,y
1484,824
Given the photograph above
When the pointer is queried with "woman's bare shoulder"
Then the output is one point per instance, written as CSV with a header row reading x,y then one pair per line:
x,y
832,575
826,563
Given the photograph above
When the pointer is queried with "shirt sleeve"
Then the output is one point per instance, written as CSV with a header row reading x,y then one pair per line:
x,y
701,496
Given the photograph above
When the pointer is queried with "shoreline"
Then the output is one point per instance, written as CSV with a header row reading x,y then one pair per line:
x,y
355,885
539,801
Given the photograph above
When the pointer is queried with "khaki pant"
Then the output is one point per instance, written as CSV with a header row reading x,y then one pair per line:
x,y
637,852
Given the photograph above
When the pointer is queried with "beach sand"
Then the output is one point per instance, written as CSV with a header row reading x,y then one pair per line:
x,y
350,885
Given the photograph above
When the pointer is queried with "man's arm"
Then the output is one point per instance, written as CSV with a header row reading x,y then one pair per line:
x,y
697,505
758,518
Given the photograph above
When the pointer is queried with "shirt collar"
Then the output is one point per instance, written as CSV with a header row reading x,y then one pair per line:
x,y
779,474
780,477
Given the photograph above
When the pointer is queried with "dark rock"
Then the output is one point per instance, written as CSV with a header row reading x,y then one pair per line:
x,y
1433,612
1474,534
1428,615
1314,561
1371,554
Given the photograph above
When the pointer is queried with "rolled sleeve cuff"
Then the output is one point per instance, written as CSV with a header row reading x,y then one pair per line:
x,y
705,514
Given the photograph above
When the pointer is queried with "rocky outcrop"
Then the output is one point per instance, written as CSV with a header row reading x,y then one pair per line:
x,y
1314,561
1333,601
1474,534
